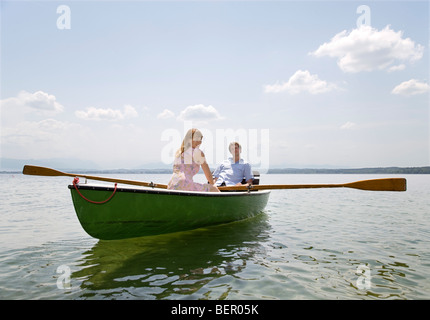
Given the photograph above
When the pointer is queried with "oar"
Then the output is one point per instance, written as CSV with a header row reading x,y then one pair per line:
x,y
389,184
42,171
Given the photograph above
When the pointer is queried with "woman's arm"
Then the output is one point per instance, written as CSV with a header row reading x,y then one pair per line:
x,y
208,173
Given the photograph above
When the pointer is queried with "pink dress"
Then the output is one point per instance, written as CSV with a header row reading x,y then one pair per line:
x,y
184,168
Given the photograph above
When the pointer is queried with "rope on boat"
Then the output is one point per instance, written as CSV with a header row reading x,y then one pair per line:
x,y
76,180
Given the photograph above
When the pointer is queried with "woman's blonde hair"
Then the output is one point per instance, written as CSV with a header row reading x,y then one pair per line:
x,y
192,135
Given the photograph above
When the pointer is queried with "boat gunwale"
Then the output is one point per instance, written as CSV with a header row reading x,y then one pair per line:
x,y
169,192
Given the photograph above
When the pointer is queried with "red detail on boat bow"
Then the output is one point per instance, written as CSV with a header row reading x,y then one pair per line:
x,y
76,181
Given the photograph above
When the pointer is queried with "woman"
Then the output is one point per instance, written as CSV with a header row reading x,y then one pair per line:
x,y
188,160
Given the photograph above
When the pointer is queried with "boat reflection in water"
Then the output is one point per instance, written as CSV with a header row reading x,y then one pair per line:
x,y
173,266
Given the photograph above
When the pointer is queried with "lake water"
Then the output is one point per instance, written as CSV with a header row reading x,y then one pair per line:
x,y
308,244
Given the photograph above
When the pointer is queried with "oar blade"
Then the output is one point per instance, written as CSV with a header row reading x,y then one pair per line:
x,y
41,171
389,184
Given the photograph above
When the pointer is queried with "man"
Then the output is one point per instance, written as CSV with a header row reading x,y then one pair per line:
x,y
232,171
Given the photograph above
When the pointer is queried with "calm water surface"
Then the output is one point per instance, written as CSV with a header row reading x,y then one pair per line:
x,y
308,244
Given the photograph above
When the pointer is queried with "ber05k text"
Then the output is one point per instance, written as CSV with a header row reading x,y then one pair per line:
x,y
219,309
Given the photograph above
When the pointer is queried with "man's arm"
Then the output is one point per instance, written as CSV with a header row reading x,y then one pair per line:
x,y
249,177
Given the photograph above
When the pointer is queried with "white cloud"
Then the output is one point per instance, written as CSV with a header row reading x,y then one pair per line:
x,y
199,113
397,68
302,81
348,126
40,101
166,114
411,87
367,49
109,114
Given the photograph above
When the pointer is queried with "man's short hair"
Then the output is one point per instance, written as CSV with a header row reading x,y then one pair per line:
x,y
233,144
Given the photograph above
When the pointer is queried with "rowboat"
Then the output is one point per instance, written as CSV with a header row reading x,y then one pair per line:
x,y
143,211
150,209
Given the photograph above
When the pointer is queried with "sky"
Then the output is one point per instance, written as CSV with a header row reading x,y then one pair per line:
x,y
299,84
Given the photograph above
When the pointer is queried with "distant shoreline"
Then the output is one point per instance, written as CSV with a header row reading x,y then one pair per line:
x,y
380,170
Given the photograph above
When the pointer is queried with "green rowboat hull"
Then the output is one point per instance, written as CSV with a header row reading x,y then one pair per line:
x,y
137,212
